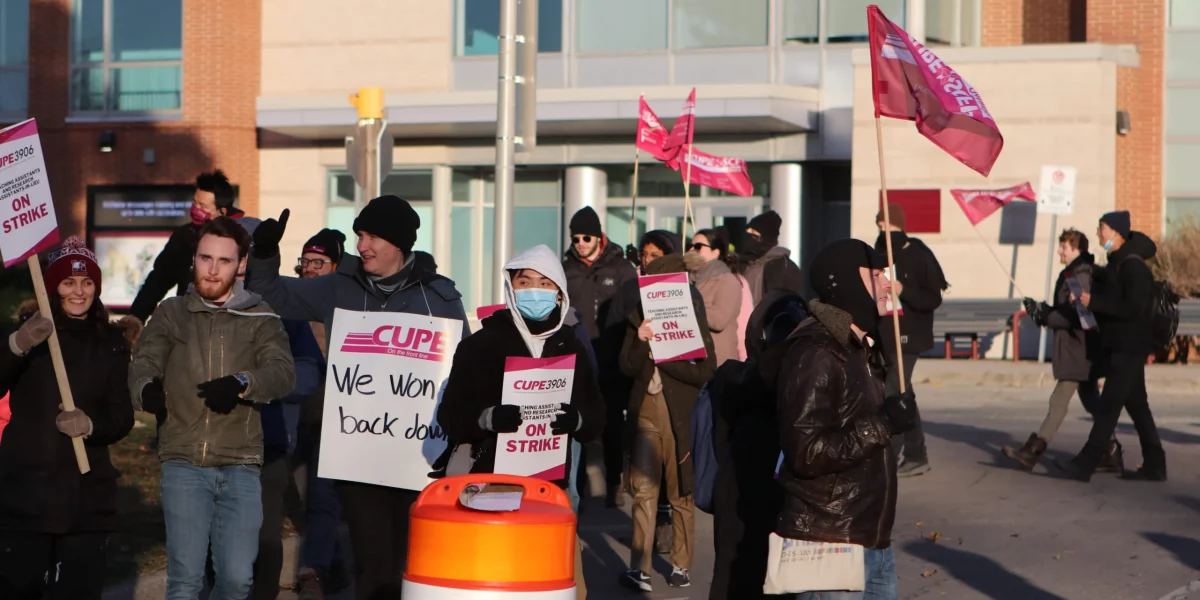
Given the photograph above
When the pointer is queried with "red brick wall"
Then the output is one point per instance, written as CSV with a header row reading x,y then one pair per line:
x,y
1047,21
221,56
1139,164
1012,22
1003,22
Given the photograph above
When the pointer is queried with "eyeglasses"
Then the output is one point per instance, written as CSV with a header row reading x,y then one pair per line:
x,y
699,246
317,263
581,239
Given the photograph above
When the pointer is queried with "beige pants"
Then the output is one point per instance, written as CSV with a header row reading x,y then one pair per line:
x,y
652,456
580,586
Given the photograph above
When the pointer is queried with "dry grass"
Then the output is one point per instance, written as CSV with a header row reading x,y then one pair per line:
x,y
139,545
1179,258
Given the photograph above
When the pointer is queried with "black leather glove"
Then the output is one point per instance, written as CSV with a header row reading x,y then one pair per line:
x,y
268,234
566,423
899,412
505,418
633,255
154,399
1036,311
221,395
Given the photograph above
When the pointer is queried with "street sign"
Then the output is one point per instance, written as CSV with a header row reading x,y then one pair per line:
x,y
1056,194
356,150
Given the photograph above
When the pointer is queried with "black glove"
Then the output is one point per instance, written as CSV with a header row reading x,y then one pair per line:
x,y
566,423
633,255
506,418
1036,311
154,399
268,234
221,394
899,412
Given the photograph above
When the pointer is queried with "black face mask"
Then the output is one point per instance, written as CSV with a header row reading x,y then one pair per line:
x,y
844,289
899,240
755,248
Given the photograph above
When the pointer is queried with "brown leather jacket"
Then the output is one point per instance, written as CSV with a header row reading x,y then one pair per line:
x,y
838,471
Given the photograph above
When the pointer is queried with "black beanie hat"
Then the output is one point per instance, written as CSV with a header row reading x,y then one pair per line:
x,y
329,242
767,225
665,240
835,278
586,222
1119,222
391,218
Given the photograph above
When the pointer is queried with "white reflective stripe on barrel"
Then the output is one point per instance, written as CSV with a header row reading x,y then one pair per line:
x,y
418,591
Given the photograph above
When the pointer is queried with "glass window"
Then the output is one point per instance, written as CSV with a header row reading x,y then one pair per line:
x,y
479,26
801,21
620,25
14,55
1185,13
414,186
462,253
533,225
1182,119
1182,49
848,18
1182,211
616,225
939,21
1182,175
137,67
719,23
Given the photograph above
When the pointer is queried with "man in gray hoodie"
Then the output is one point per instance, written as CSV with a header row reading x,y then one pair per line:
x,y
384,277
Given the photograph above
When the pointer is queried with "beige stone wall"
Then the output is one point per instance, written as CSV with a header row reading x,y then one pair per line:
x,y
319,47
1050,112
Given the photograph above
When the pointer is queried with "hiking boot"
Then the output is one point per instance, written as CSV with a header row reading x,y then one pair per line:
x,y
913,467
1114,459
679,578
308,586
613,497
636,580
1028,454
1073,470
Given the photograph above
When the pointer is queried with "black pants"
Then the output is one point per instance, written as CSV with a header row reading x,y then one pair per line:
x,y
40,566
276,475
378,520
1124,388
912,442
614,442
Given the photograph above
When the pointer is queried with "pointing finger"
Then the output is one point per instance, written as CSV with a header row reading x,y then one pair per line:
x,y
283,216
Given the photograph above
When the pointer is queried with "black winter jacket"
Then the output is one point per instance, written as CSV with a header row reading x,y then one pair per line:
x,y
477,382
41,489
922,279
1075,350
592,287
839,470
1123,301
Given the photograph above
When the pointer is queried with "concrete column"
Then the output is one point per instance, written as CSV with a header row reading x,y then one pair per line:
x,y
786,183
914,19
586,186
442,199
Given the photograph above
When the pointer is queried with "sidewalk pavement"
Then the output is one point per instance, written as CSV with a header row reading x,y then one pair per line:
x,y
937,372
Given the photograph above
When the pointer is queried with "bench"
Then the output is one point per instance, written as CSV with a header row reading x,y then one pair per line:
x,y
1189,317
967,318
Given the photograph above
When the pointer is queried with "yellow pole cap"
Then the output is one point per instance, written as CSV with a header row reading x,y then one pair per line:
x,y
369,102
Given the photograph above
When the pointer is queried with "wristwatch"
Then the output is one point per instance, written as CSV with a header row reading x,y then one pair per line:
x,y
244,380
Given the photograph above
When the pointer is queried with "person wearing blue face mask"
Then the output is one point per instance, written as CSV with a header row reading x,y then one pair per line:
x,y
533,325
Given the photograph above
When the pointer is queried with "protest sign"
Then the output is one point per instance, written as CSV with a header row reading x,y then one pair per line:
x,y
385,379
667,304
538,386
1086,319
27,221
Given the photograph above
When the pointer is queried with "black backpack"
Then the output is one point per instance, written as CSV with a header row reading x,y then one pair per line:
x,y
1164,312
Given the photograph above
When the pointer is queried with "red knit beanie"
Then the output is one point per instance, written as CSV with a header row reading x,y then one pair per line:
x,y
72,259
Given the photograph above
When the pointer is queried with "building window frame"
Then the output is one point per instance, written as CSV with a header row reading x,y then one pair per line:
x,y
459,22
22,69
107,65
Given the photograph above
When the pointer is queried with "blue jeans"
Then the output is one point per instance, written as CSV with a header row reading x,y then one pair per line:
x,y
573,475
881,580
221,506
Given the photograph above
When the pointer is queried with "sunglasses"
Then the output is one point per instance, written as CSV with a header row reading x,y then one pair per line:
x,y
581,239
699,246
317,263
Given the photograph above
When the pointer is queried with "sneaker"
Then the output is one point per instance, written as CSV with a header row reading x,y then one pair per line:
x,y
913,468
679,578
637,580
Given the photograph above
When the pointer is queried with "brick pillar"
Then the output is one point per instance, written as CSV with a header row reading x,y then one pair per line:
x,y
1139,162
1003,22
1047,21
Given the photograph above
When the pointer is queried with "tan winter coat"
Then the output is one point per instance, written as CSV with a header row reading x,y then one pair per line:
x,y
722,294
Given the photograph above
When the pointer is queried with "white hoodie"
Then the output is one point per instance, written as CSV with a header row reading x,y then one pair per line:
x,y
542,259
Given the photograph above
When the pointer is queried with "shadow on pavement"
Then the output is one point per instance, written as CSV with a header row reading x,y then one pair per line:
x,y
601,562
1191,502
990,441
985,575
1186,550
1167,435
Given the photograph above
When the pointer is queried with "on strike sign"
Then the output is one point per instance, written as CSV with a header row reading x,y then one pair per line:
x,y
538,386
27,221
667,304
386,376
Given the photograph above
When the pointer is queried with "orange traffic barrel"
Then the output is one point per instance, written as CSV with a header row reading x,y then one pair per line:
x,y
461,553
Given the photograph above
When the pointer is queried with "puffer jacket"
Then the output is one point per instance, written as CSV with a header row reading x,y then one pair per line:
x,y
593,286
188,342
839,470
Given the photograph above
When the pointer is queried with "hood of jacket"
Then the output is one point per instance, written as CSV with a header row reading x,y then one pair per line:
x,y
781,311
772,254
542,259
1138,244
241,299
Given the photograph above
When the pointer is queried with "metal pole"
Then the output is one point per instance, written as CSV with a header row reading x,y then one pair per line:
x,y
1049,274
505,121
374,172
527,50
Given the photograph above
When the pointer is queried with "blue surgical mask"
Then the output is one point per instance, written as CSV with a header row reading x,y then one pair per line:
x,y
1108,246
536,303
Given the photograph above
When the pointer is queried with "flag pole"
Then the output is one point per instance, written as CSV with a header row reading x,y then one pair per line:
x,y
687,198
887,219
999,262
637,159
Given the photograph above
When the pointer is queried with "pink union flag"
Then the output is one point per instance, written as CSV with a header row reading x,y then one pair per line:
x,y
980,204
910,82
684,128
717,172
651,135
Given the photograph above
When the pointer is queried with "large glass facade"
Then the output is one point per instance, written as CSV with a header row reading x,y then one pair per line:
x,y
136,65
719,23
848,18
620,25
801,21
1181,124
478,25
14,56
345,201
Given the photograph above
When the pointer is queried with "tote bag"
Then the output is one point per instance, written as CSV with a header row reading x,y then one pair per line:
x,y
795,566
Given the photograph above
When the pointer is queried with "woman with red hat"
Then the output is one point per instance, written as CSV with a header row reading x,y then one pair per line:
x,y
55,522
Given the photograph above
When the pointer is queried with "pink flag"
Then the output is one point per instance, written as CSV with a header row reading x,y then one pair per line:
x,y
980,204
717,172
651,135
684,128
910,82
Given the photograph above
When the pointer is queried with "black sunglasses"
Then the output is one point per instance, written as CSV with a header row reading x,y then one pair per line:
x,y
585,239
698,245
